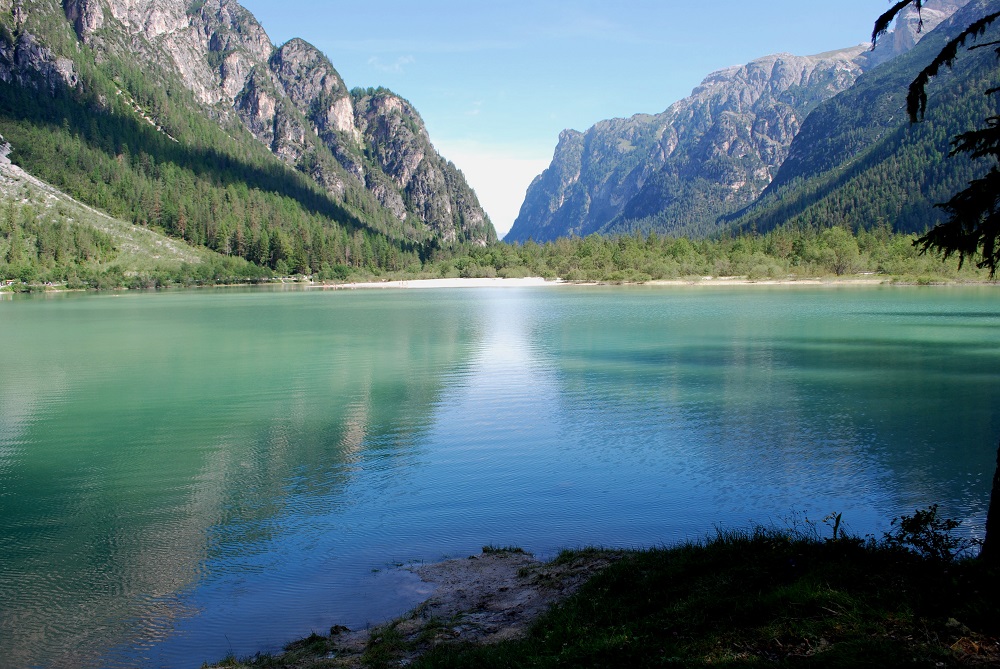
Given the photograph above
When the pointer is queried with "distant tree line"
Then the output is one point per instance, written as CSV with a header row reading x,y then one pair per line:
x,y
781,253
36,246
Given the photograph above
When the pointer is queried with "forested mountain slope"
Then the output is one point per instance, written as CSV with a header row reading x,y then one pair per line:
x,y
859,162
182,116
46,235
707,155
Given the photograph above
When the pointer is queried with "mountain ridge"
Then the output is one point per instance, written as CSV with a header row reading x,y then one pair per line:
x,y
707,155
733,127
204,74
862,141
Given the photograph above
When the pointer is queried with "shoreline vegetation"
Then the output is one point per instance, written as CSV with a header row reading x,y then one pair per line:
x,y
49,241
743,598
705,281
8,287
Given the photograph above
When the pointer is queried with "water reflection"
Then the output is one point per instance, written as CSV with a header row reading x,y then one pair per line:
x,y
184,456
189,473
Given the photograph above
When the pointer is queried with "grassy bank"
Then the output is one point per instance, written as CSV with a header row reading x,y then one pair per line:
x,y
742,599
761,599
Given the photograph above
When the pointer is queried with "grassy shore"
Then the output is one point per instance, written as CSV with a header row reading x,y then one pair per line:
x,y
741,599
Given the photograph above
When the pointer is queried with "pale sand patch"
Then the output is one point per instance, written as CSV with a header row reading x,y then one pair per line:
x,y
484,598
743,281
707,281
449,283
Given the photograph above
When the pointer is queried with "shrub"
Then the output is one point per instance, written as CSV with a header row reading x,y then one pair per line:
x,y
927,535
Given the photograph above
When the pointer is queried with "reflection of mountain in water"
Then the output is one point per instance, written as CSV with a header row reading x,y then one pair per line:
x,y
193,471
185,435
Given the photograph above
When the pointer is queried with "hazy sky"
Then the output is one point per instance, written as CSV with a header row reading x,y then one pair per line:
x,y
496,82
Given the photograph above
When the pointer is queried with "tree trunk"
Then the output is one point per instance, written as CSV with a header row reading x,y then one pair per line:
x,y
991,539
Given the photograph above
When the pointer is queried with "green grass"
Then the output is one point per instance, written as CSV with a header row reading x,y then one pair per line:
x,y
751,598
761,598
492,549
385,645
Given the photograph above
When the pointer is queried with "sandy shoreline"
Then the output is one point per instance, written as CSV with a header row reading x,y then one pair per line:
x,y
708,282
535,282
447,283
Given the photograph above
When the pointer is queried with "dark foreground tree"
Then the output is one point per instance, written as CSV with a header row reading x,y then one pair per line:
x,y
973,228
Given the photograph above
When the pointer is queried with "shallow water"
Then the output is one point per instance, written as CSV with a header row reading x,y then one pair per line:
x,y
192,473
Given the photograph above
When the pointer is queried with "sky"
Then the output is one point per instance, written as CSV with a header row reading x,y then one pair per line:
x,y
495,83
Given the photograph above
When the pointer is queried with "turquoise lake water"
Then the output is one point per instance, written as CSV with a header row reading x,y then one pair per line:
x,y
187,474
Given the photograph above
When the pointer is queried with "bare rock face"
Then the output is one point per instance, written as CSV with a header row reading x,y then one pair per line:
x,y
291,98
377,139
435,190
299,106
5,150
718,148
705,156
392,127
87,17
910,26
27,62
18,12
265,112
311,82
312,85
213,44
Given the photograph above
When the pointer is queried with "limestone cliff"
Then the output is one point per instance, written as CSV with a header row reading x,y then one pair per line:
x,y
300,107
24,60
432,187
910,26
290,98
705,156
858,161
708,153
212,44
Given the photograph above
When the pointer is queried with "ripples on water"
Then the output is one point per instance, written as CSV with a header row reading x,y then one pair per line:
x,y
186,474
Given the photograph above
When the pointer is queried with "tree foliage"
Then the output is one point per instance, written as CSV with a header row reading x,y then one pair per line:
x,y
973,227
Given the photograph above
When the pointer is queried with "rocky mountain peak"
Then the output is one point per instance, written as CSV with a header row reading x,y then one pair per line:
x,y
313,84
732,132
290,98
212,44
739,88
706,155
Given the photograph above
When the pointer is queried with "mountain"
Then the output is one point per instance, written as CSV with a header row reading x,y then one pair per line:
x,y
859,162
707,155
181,115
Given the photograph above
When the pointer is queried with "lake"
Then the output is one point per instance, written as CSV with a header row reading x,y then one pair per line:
x,y
193,473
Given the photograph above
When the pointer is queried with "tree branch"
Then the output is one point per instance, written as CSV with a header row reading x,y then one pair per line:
x,y
883,22
916,99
